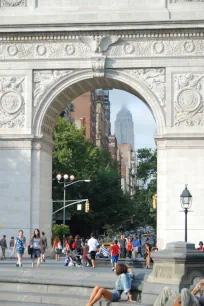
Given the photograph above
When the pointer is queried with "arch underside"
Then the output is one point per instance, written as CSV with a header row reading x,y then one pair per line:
x,y
64,93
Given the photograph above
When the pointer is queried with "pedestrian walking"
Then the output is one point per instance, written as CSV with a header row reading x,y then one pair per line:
x,y
147,255
85,262
36,245
136,246
76,245
11,247
67,246
129,247
3,245
122,284
57,246
115,250
44,247
93,245
123,245
19,247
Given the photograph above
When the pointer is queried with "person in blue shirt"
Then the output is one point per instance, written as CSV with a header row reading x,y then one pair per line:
x,y
19,246
136,246
122,284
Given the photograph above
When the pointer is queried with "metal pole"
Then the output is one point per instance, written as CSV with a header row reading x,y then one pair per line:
x,y
186,212
64,204
64,209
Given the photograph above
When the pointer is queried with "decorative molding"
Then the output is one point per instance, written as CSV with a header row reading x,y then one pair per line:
x,y
12,3
182,1
98,44
125,35
42,81
98,66
192,143
12,104
155,79
106,47
153,48
188,99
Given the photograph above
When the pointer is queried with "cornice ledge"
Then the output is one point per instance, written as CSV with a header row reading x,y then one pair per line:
x,y
38,36
103,26
17,137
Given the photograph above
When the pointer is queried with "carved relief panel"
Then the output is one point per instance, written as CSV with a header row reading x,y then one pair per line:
x,y
13,3
155,79
140,46
12,103
43,79
188,99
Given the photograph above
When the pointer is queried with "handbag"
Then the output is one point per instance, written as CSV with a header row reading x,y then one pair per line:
x,y
145,255
30,250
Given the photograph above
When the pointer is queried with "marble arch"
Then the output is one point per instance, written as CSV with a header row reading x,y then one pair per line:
x,y
73,84
53,50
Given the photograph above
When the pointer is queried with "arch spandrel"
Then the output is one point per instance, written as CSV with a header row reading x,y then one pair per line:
x,y
57,88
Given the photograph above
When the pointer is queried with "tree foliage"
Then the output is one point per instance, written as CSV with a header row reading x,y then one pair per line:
x,y
60,230
147,173
73,154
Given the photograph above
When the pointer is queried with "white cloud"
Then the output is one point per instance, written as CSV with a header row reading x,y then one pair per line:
x,y
144,123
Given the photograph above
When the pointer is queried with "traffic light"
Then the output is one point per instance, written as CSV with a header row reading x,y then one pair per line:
x,y
87,206
154,201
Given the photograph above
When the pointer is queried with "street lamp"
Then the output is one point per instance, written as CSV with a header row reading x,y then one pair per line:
x,y
72,178
186,202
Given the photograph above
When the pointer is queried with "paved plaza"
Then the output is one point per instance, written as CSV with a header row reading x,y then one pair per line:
x,y
53,283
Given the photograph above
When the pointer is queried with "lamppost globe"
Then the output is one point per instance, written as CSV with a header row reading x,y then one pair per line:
x,y
66,176
58,176
186,199
186,202
72,177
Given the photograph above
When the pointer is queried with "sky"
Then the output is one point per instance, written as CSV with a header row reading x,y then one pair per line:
x,y
144,123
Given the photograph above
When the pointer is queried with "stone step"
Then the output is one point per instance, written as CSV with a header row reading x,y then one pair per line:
x,y
30,299
80,303
44,289
42,298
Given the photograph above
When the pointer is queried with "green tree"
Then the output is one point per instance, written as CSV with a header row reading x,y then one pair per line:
x,y
60,230
73,154
147,174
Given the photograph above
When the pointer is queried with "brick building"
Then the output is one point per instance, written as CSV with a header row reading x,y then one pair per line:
x,y
128,169
92,110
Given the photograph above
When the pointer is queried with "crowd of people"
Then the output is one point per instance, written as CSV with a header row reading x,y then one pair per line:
x,y
124,248
18,246
89,249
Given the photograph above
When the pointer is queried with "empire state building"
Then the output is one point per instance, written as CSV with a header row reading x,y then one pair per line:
x,y
124,127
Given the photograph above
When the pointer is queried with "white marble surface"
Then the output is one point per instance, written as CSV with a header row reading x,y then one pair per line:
x,y
155,52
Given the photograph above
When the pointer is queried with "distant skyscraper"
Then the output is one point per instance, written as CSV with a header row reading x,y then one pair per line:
x,y
124,127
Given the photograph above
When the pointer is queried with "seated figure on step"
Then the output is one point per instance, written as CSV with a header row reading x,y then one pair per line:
x,y
188,297
122,284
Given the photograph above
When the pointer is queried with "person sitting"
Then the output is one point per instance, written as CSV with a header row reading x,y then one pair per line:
x,y
102,252
188,297
122,284
200,248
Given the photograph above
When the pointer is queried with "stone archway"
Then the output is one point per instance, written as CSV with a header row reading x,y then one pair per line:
x,y
45,62
59,89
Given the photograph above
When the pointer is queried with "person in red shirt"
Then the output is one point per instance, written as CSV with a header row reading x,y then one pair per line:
x,y
200,246
129,247
115,250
